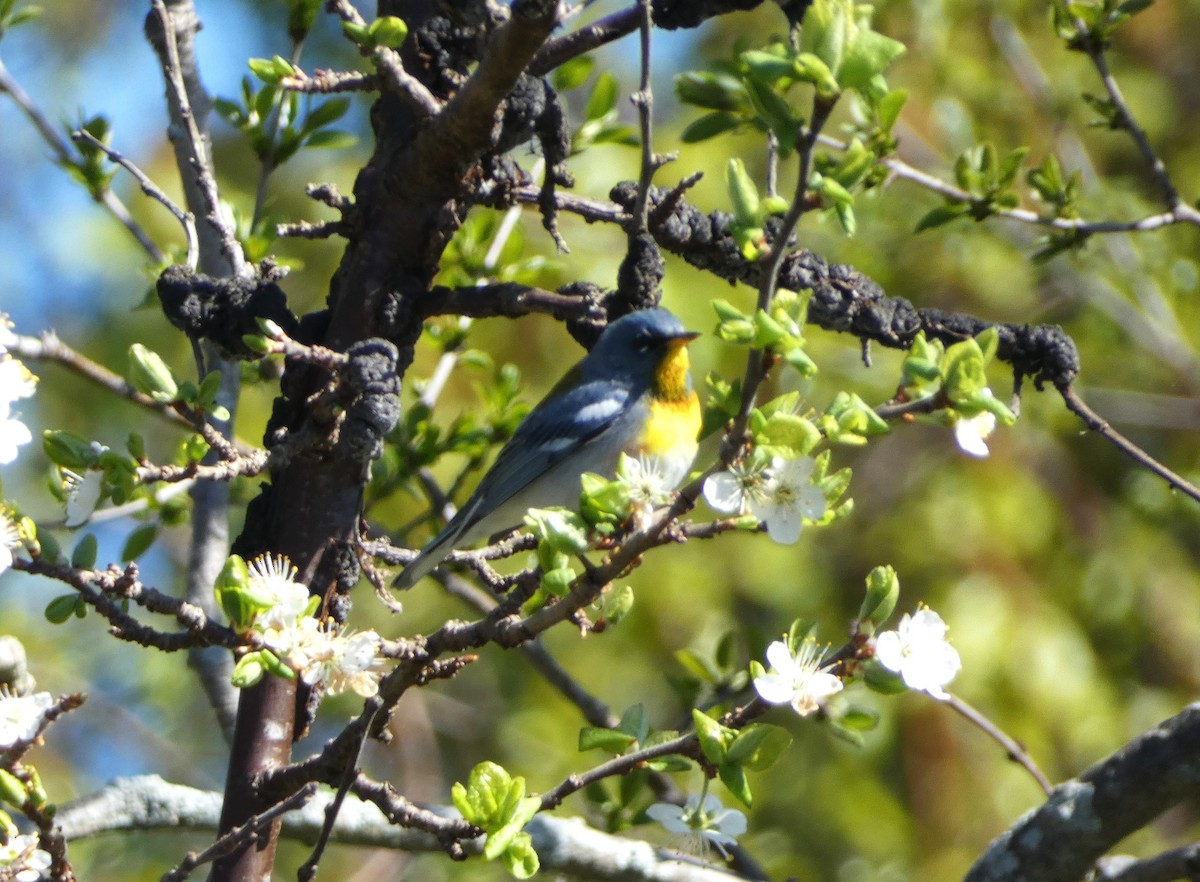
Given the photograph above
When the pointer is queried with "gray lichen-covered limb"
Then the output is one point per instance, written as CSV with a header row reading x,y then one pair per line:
x,y
1088,815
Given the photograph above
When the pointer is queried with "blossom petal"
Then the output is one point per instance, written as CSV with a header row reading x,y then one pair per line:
x,y
724,493
888,650
970,433
784,523
780,658
775,688
670,816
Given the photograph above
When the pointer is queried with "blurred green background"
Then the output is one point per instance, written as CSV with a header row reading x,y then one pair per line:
x,y
1067,575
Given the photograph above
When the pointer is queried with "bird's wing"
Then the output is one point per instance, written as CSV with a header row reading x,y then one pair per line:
x,y
559,426
564,422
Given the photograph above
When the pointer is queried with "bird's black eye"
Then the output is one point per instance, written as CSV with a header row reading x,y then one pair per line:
x,y
643,343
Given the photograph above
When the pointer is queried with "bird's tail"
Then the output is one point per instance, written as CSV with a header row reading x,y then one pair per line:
x,y
429,558
460,529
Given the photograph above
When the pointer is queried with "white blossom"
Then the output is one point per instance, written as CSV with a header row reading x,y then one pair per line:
x,y
22,861
13,433
919,652
21,715
272,580
797,680
709,822
339,662
780,495
647,484
83,494
789,499
10,539
736,490
971,433
16,380
7,338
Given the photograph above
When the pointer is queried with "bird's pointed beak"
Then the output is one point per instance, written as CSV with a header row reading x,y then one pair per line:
x,y
684,339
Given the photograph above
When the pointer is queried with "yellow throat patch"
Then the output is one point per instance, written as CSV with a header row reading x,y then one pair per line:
x,y
674,420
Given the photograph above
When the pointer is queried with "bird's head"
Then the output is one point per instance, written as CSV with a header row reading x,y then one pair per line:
x,y
648,347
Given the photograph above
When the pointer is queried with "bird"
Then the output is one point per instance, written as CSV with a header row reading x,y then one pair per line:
x,y
632,394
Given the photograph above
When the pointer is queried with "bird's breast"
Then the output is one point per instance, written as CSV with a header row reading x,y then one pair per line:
x,y
669,435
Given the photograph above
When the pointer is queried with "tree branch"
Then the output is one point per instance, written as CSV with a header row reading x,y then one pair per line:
x,y
566,846
1085,817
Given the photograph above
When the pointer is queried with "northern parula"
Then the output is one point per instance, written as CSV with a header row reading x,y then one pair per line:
x,y
631,394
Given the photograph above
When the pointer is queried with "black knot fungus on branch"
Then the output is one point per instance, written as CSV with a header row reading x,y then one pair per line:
x,y
639,276
533,109
676,14
372,379
223,310
846,300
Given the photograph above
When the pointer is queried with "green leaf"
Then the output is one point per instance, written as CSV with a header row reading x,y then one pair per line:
x,y
734,778
520,859
573,73
139,541
248,671
326,113
600,738
767,66
942,214
331,139
149,374
776,113
84,555
887,109
61,608
883,590
603,97
12,790
808,68
267,69
880,679
713,91
564,531
825,31
558,581
358,33
68,450
748,742
788,435
743,193
709,126
859,719
634,722
714,738
388,31
869,56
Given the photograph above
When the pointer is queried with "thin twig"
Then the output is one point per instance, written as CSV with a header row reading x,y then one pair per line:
x,y
241,835
1016,750
48,347
308,870
1171,865
1098,424
1095,51
391,68
584,40
324,81
1180,213
62,149
756,362
185,218
643,100
196,145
